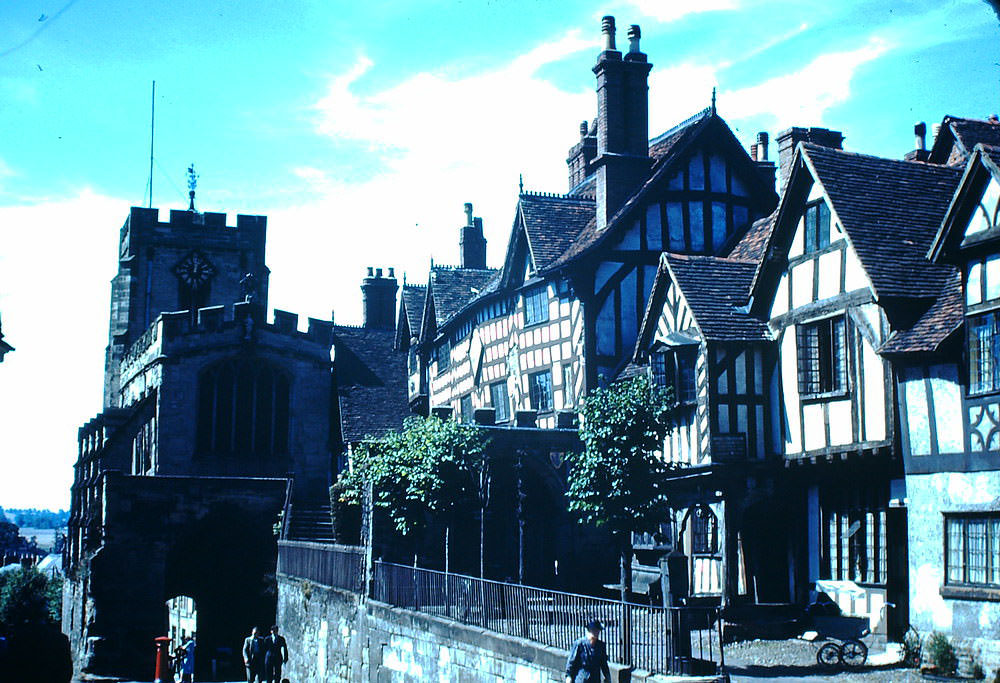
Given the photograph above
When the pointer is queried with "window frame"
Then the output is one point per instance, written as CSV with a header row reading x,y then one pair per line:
x,y
990,549
502,386
813,213
442,367
679,371
541,293
533,392
860,556
974,356
466,411
833,377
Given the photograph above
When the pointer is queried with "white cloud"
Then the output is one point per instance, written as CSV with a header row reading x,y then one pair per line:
x,y
803,96
438,140
56,261
672,10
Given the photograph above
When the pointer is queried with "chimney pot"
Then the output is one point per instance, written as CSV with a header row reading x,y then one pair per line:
x,y
753,152
371,272
468,213
378,272
608,29
920,135
762,142
633,38
392,272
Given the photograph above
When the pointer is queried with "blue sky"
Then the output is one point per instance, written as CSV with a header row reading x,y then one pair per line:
x,y
360,129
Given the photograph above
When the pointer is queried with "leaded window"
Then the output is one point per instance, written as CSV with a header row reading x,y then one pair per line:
x,y
984,350
972,553
822,357
817,227
704,531
536,305
465,408
443,355
500,401
540,390
676,369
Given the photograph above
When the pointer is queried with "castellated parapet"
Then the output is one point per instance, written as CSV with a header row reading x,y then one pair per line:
x,y
143,223
223,328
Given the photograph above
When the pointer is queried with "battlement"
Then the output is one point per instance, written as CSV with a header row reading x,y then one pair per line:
x,y
244,320
144,225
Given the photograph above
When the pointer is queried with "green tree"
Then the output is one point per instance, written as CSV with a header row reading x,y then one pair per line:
x,y
618,481
429,469
29,597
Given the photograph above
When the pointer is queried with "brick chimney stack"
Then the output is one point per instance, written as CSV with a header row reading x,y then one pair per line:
x,y
622,161
378,299
920,151
471,243
789,139
581,155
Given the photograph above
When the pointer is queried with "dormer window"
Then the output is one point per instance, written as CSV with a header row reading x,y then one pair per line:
x,y
817,226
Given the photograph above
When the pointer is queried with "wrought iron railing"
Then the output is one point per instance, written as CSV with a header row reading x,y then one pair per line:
x,y
339,566
679,640
676,640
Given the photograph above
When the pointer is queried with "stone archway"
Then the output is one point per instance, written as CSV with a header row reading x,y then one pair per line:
x,y
225,563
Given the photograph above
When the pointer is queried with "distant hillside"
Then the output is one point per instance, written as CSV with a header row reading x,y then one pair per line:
x,y
36,519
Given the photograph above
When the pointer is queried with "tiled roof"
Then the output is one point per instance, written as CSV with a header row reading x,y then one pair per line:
x,y
993,152
553,223
452,289
716,289
933,327
663,149
371,382
971,132
891,211
413,302
753,243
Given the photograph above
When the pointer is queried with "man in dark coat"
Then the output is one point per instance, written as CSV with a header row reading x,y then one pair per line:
x,y
253,657
275,654
588,658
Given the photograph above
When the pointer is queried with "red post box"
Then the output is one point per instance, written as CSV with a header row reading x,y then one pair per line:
x,y
163,673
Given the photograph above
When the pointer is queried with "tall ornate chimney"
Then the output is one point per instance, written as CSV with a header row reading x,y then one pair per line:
x,y
622,161
378,299
471,243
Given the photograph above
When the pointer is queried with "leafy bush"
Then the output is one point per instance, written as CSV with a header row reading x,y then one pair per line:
x,y
346,513
29,597
941,654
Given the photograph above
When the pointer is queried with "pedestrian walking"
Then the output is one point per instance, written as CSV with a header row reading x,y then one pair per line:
x,y
275,655
187,663
589,657
253,656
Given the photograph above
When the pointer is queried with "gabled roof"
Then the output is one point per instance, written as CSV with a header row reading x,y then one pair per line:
x,y
715,289
371,382
936,325
890,210
965,134
411,312
665,150
983,165
751,246
553,223
453,289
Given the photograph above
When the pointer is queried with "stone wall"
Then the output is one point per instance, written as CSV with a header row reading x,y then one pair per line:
x,y
972,624
335,636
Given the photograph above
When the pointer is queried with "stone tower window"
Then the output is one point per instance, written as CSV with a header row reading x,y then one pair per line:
x,y
243,409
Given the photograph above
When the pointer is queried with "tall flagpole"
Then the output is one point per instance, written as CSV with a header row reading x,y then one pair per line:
x,y
152,123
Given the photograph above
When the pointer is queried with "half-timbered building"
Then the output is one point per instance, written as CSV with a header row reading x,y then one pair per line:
x,y
948,381
563,312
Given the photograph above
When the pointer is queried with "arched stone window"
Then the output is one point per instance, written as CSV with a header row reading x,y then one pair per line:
x,y
704,531
243,409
